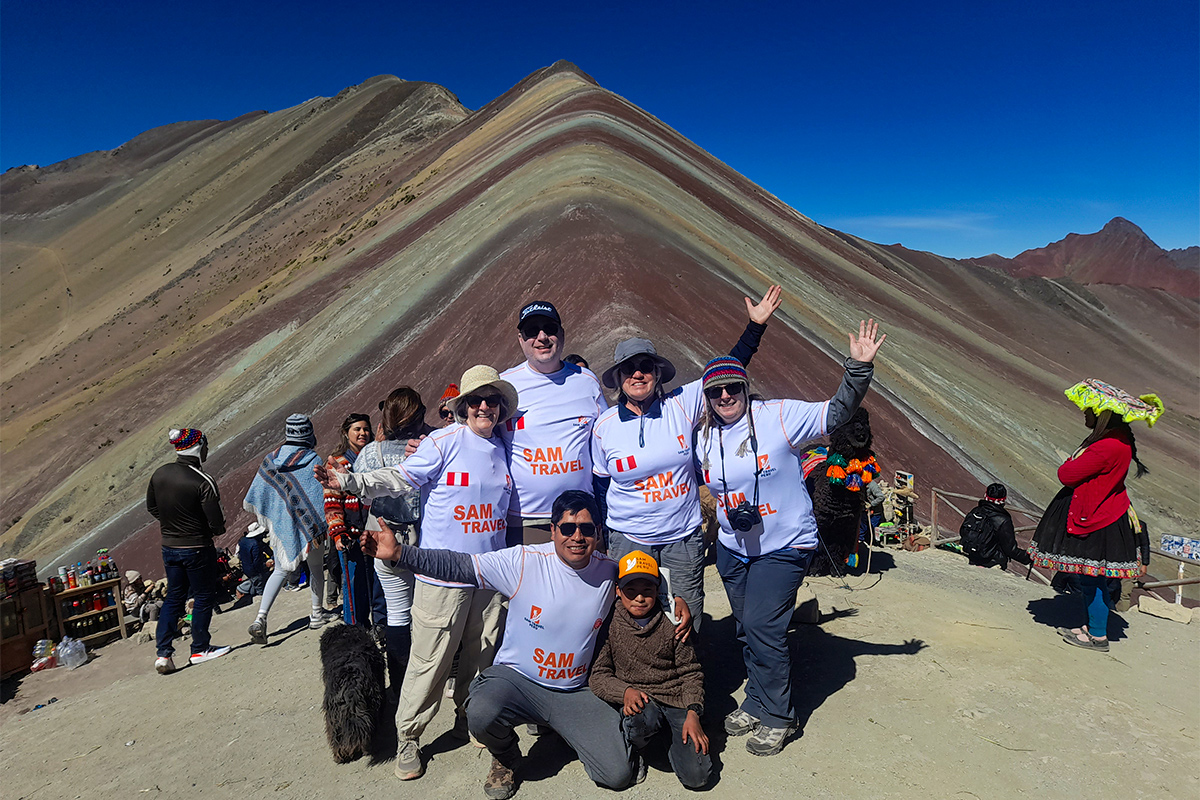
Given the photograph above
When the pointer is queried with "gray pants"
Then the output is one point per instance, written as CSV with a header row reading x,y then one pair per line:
x,y
693,769
502,698
684,559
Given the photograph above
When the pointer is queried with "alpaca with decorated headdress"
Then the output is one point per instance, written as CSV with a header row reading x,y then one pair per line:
x,y
838,484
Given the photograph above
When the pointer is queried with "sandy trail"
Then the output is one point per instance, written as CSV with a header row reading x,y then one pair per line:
x,y
993,705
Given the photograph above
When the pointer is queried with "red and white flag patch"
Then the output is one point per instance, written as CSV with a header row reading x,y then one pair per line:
x,y
458,479
517,424
627,463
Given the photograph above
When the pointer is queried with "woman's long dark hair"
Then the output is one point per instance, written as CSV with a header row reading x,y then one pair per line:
x,y
403,414
346,425
1107,423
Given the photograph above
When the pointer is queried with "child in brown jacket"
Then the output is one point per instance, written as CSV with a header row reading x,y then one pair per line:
x,y
654,677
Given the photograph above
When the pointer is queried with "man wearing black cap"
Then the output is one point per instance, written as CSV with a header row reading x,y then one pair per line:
x,y
988,538
549,436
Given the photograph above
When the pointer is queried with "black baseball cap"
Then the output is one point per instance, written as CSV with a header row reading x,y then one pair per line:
x,y
539,308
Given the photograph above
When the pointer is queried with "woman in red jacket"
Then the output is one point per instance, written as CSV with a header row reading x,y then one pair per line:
x,y
1090,530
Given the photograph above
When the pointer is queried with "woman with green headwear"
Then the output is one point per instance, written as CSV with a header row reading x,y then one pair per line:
x,y
1090,530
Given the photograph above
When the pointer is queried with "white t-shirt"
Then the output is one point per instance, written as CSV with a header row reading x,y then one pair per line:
x,y
782,426
465,490
652,497
549,435
554,612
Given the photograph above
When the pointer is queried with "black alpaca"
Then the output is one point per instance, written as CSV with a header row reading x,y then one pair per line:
x,y
839,510
352,669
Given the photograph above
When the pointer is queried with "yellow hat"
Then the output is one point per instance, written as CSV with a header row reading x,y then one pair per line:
x,y
636,564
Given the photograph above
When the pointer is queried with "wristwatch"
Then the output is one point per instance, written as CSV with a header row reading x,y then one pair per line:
x,y
699,709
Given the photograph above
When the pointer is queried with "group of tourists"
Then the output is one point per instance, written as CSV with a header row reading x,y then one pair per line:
x,y
543,552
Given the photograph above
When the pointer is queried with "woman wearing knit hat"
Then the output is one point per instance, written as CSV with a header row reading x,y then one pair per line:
x,y
462,473
290,504
642,460
747,451
445,415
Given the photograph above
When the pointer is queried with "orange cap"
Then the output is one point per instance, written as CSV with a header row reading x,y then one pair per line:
x,y
636,564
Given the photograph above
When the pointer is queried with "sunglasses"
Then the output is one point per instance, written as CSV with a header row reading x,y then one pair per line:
x,y
643,365
446,413
530,330
474,400
734,389
586,529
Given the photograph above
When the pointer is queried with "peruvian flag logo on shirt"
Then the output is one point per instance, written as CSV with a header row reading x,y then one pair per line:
x,y
624,464
458,479
706,477
517,424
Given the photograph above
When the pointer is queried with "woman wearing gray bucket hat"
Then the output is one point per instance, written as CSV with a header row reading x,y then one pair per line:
x,y
462,472
642,460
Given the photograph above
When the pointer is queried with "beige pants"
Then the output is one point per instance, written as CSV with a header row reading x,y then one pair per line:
x,y
443,617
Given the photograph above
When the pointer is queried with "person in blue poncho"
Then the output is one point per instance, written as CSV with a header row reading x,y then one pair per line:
x,y
290,504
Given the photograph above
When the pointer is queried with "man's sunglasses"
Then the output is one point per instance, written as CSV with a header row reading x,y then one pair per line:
x,y
493,400
734,389
642,365
587,529
530,329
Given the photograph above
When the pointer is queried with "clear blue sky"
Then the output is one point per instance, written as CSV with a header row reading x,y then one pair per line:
x,y
963,128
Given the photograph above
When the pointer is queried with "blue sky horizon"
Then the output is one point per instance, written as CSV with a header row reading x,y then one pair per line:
x,y
955,128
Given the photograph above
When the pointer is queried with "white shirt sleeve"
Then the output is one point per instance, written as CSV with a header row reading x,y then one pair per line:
x,y
802,421
599,460
500,570
422,467
691,399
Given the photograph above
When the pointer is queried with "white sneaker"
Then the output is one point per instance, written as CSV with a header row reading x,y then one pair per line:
x,y
164,665
320,617
209,654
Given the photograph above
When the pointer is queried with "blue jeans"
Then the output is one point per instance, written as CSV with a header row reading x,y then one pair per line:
x,y
693,769
190,570
363,602
763,613
684,560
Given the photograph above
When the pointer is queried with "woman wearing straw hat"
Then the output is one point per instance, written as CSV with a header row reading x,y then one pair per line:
x,y
1090,530
462,472
642,460
748,454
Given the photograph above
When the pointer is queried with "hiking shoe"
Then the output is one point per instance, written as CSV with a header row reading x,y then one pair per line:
x,y
408,761
163,665
258,630
1099,645
320,617
768,741
209,654
739,723
501,781
1070,631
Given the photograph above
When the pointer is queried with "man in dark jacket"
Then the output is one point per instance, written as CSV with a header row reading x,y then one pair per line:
x,y
988,538
186,502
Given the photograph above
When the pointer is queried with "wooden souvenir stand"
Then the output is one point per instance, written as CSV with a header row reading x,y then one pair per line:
x,y
25,618
88,623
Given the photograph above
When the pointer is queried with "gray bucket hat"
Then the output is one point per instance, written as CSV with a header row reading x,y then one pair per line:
x,y
631,348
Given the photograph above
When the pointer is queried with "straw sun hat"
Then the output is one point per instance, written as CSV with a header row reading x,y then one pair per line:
x,y
480,377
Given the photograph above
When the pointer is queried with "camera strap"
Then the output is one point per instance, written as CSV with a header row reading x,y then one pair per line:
x,y
753,449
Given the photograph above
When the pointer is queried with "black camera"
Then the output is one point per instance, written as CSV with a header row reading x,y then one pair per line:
x,y
743,517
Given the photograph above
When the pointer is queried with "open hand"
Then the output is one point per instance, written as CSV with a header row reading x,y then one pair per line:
x,y
864,346
326,474
762,311
692,730
635,701
411,446
683,629
381,544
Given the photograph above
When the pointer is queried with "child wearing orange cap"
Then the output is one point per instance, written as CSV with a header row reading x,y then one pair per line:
x,y
651,674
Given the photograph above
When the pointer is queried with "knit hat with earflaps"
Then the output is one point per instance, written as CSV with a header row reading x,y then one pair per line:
x,y
298,429
186,441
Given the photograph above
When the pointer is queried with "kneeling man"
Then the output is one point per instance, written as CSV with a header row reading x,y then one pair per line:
x,y
559,596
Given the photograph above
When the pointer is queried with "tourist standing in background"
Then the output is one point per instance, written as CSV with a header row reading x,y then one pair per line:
x,y
346,515
290,504
187,504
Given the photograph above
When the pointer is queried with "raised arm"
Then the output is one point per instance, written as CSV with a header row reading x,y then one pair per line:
x,y
759,313
859,369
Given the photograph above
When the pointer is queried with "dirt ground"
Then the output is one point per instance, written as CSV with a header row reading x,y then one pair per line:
x,y
928,679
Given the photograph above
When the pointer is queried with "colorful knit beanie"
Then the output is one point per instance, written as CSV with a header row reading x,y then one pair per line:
x,y
724,370
996,493
186,441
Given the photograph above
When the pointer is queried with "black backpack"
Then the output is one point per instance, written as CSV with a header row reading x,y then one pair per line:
x,y
974,534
